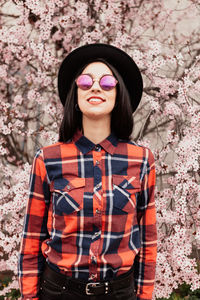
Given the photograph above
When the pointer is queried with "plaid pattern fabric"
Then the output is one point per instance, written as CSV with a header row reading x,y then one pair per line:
x,y
90,213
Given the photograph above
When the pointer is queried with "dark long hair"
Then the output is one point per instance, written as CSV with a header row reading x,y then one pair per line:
x,y
121,116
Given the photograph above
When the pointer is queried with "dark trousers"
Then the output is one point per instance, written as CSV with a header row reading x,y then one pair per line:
x,y
50,290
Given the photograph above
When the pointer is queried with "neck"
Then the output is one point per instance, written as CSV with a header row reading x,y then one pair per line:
x,y
96,130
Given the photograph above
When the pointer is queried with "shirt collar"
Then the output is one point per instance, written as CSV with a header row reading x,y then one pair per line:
x,y
85,145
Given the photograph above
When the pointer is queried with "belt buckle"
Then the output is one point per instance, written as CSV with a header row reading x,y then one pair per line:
x,y
93,284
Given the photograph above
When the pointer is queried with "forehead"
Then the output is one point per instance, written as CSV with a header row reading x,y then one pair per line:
x,y
97,68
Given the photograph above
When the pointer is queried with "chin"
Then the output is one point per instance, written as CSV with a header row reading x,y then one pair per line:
x,y
96,114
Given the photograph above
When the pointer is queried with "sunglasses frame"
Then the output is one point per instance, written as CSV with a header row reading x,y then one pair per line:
x,y
116,81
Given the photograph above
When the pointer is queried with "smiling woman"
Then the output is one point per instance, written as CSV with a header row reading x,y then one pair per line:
x,y
90,223
121,116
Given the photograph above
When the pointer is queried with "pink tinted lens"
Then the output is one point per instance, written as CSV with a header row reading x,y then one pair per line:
x,y
108,82
84,82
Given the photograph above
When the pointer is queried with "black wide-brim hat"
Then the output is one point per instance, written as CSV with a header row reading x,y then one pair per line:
x,y
119,59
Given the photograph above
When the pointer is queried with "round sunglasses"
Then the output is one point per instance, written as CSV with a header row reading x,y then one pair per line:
x,y
106,82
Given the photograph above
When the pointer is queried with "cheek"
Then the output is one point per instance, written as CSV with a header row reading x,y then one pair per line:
x,y
113,95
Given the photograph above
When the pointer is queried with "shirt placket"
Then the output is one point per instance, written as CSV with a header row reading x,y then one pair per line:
x,y
97,217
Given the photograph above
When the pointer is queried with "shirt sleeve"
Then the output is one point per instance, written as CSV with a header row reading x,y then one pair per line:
x,y
31,261
145,260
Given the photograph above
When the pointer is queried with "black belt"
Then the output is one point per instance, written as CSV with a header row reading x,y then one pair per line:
x,y
88,288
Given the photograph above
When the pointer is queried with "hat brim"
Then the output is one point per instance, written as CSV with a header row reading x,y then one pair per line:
x,y
119,59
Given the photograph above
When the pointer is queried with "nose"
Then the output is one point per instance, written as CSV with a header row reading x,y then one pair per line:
x,y
96,86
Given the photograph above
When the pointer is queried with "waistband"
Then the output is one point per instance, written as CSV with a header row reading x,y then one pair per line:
x,y
88,288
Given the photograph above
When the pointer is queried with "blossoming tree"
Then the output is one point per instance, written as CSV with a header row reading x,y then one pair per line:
x,y
163,39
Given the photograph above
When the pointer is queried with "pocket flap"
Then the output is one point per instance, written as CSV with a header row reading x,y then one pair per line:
x,y
124,190
67,184
126,182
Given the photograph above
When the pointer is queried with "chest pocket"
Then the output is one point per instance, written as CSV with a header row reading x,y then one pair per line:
x,y
67,194
124,192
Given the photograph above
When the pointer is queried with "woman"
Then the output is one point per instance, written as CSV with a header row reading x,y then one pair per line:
x,y
90,223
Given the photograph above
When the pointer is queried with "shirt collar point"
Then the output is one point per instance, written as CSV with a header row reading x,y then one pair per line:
x,y
85,145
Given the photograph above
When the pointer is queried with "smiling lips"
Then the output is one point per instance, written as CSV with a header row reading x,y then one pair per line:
x,y
95,100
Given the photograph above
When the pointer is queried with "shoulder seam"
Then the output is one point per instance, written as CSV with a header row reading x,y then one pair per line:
x,y
42,156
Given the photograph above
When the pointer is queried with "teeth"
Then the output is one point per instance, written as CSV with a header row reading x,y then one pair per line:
x,y
95,100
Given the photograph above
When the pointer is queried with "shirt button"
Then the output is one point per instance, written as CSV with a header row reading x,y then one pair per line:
x,y
97,148
92,276
98,185
97,162
98,211
68,186
94,259
97,233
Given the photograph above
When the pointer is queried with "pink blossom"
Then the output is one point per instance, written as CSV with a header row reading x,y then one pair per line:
x,y
57,36
31,95
18,99
3,71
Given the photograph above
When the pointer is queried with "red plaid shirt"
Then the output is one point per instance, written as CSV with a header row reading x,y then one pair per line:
x,y
90,213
